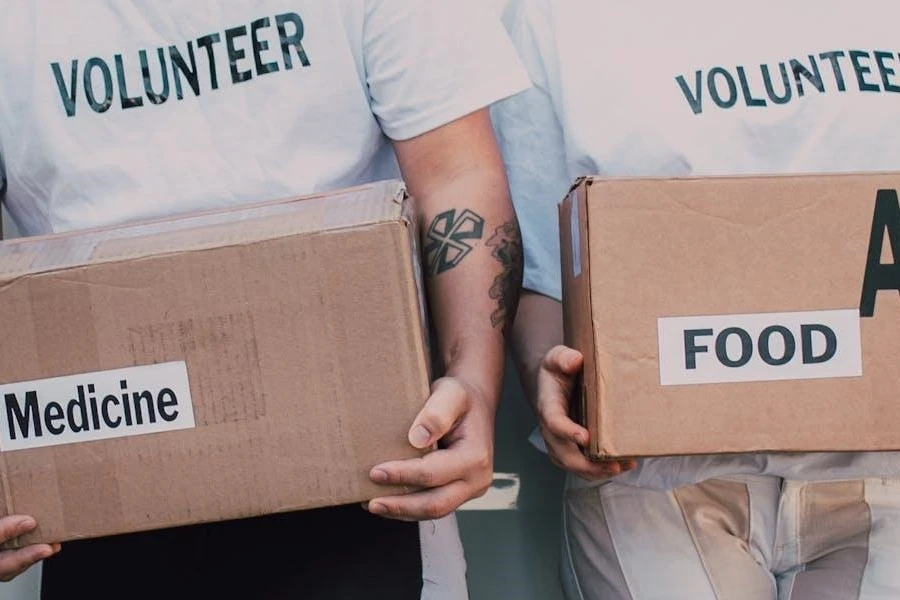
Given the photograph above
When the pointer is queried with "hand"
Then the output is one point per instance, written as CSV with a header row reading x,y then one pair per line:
x,y
564,437
16,562
460,470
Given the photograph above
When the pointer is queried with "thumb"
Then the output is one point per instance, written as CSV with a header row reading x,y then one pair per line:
x,y
555,384
562,361
445,407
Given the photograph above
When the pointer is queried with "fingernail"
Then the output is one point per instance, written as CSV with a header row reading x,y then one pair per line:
x,y
26,523
377,508
419,437
378,476
364,506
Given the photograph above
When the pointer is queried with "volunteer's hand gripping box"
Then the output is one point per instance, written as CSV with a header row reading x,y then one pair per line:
x,y
735,314
210,367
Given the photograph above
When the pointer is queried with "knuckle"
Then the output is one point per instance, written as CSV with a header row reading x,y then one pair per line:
x,y
452,387
484,464
482,480
402,513
436,420
426,478
552,357
393,510
557,426
433,509
549,421
572,463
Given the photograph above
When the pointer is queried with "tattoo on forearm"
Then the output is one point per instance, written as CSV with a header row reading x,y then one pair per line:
x,y
447,238
507,249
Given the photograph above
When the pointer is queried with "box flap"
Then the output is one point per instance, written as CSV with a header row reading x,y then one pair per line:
x,y
359,206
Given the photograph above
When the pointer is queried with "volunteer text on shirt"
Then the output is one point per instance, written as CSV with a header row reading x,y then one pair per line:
x,y
96,75
722,84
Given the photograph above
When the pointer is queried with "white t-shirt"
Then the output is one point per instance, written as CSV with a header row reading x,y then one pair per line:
x,y
115,111
701,88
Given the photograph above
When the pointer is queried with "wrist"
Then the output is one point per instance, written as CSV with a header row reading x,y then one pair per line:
x,y
482,378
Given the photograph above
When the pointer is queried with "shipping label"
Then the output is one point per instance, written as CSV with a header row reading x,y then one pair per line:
x,y
759,347
96,406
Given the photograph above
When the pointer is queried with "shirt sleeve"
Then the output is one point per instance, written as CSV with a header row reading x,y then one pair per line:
x,y
430,63
533,145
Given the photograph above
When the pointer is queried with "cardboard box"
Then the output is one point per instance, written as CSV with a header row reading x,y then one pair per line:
x,y
735,314
211,367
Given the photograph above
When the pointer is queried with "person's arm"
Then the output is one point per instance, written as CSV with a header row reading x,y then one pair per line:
x,y
538,165
473,262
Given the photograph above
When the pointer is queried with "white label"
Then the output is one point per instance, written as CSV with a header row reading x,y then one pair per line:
x,y
96,406
576,236
759,347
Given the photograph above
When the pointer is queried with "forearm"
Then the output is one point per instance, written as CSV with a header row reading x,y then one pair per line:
x,y
538,327
472,259
471,246
473,265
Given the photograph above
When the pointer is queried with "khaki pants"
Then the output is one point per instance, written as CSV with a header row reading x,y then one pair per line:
x,y
748,538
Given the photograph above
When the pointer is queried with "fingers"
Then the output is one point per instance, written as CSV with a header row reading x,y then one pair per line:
x,y
564,437
462,469
562,360
13,526
428,504
555,382
448,402
554,417
14,562
435,469
565,440
576,463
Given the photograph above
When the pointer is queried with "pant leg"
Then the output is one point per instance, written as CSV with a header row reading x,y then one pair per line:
x,y
443,561
338,553
848,540
699,542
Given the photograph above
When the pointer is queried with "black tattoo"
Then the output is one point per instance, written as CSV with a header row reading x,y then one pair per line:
x,y
507,249
445,243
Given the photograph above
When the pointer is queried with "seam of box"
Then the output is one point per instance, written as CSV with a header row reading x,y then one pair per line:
x,y
205,213
588,181
410,223
6,283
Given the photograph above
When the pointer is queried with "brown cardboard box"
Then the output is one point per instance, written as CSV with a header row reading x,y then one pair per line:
x,y
735,314
210,367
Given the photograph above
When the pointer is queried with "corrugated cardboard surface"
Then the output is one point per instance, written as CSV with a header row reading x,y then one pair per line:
x,y
654,248
301,324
